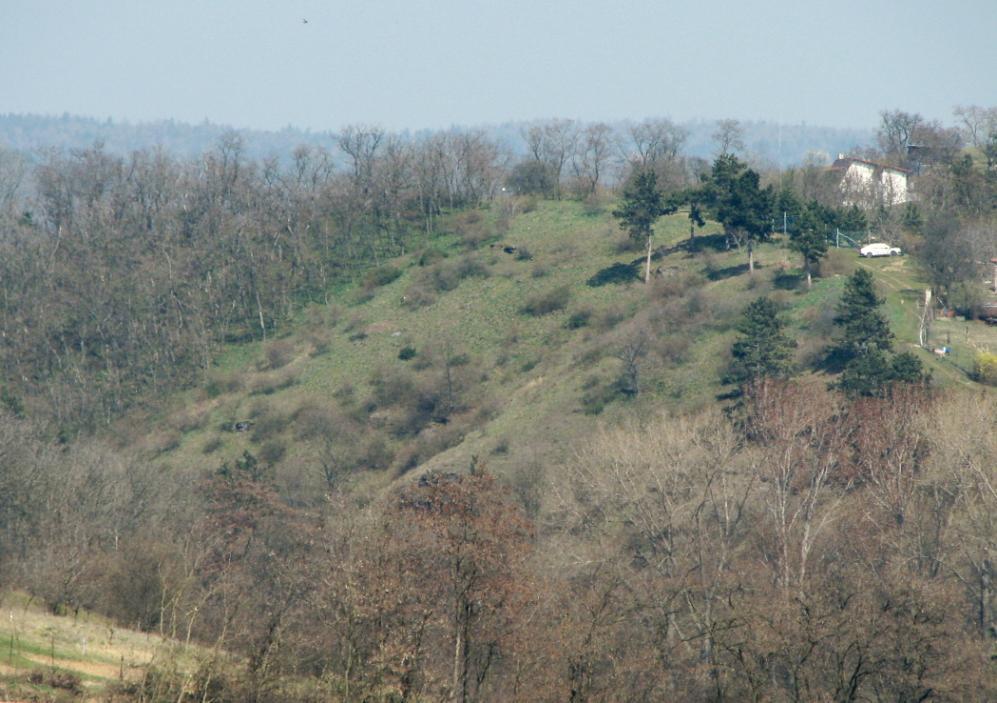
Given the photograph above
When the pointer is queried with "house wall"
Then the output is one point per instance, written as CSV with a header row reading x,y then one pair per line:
x,y
895,185
861,186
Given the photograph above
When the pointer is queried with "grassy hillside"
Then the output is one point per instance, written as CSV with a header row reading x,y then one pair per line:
x,y
46,657
527,340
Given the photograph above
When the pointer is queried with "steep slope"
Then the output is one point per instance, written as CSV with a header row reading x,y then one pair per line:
x,y
505,341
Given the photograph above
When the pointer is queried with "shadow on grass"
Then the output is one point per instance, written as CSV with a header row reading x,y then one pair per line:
x,y
784,280
616,274
729,272
702,242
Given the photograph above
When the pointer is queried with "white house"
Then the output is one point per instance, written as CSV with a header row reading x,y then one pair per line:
x,y
866,183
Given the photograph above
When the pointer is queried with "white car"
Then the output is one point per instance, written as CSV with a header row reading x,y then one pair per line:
x,y
879,249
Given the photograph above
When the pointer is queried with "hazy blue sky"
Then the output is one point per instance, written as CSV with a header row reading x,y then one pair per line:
x,y
422,63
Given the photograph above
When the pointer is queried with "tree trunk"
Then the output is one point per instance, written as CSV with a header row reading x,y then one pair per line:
x,y
810,282
751,257
647,268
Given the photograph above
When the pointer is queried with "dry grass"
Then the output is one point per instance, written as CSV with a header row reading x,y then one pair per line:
x,y
87,645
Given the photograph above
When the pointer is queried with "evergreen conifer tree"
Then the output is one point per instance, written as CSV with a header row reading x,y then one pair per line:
x,y
810,240
862,323
641,207
763,350
866,341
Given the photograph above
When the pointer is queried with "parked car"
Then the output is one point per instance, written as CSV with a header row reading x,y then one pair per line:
x,y
879,249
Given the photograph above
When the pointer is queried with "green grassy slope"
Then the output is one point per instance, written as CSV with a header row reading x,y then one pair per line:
x,y
532,383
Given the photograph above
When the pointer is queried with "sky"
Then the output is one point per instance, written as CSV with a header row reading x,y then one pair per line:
x,y
414,64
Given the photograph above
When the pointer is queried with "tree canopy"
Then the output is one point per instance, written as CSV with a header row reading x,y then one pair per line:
x,y
640,208
734,197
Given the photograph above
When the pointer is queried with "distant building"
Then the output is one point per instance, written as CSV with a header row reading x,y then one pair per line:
x,y
867,183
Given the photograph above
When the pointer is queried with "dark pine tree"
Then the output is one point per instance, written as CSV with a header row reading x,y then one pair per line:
x,y
733,195
859,316
810,239
763,350
642,205
866,341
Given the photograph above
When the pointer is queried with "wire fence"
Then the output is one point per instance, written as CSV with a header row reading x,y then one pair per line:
x,y
836,237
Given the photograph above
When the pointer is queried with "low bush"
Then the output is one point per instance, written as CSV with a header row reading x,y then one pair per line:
x,y
355,323
579,318
381,276
548,302
431,255
443,278
278,354
406,353
269,386
212,445
269,426
471,267
376,455
221,383
676,284
598,396
272,451
418,295
611,317
985,368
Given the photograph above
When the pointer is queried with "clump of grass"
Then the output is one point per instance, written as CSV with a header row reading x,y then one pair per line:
x,y
547,302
